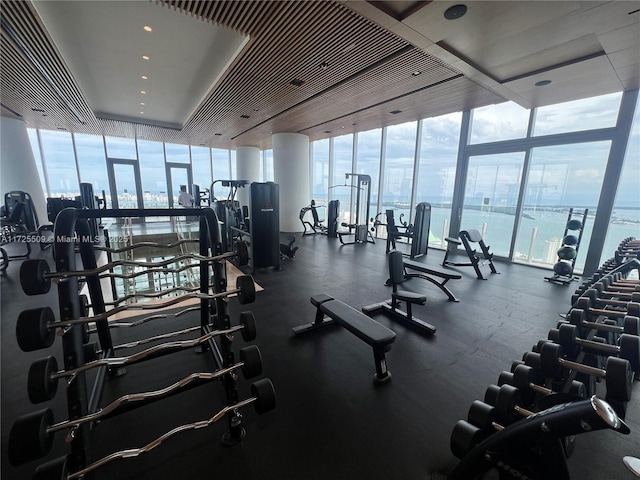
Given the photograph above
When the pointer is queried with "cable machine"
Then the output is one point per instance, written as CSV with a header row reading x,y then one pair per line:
x,y
358,225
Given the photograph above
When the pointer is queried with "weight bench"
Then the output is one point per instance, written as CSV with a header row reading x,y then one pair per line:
x,y
428,274
466,238
331,311
392,306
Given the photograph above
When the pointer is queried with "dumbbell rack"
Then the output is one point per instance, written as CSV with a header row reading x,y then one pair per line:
x,y
539,436
566,279
71,230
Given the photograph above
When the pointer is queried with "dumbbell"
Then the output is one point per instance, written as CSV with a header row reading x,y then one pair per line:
x,y
617,283
34,328
617,372
578,317
597,299
588,305
36,275
42,382
38,426
526,378
626,293
629,345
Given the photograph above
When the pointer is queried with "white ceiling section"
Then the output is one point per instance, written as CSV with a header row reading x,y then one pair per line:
x,y
220,72
103,42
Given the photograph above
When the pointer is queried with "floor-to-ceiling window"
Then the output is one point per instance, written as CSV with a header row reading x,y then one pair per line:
x,y
397,181
561,177
221,171
92,163
368,163
320,171
201,167
37,154
437,171
491,198
57,150
154,179
341,186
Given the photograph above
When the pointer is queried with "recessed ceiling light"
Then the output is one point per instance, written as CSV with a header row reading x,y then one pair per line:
x,y
145,57
542,83
144,77
143,92
455,12
147,28
324,65
142,103
415,73
141,113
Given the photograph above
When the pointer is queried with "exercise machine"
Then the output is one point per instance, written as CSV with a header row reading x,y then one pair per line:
x,y
229,211
358,224
467,237
201,196
417,233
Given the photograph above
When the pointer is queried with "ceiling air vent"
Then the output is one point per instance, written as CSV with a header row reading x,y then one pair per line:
x,y
244,116
297,82
395,112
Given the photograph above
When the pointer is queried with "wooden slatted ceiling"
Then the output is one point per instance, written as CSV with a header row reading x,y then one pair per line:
x,y
366,66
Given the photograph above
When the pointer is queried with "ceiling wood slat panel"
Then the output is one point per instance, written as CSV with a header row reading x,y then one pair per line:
x,y
368,71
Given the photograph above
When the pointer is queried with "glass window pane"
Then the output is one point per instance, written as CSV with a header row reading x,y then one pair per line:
x,y
61,164
33,139
560,177
320,171
121,148
398,170
201,167
368,162
342,164
437,171
177,153
586,114
233,166
267,175
92,164
125,186
625,218
491,197
152,172
493,123
221,170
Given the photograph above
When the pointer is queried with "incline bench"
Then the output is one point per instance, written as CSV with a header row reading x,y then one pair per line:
x,y
428,274
363,327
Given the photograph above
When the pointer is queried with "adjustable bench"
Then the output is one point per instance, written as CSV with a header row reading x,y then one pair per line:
x,y
331,311
428,274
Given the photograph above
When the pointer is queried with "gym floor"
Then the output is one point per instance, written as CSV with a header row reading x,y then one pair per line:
x,y
331,421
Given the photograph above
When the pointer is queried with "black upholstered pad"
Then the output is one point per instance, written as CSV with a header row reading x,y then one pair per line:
x,y
365,328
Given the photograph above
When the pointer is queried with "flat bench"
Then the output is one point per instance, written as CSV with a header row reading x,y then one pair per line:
x,y
331,312
428,274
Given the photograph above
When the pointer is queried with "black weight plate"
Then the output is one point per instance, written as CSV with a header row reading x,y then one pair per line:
x,y
40,386
247,287
33,330
252,360
28,438
33,277
265,395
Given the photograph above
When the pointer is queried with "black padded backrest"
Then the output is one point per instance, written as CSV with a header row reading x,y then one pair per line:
x,y
314,213
391,223
472,234
16,215
396,268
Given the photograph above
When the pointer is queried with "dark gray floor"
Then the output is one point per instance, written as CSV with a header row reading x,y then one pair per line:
x,y
331,422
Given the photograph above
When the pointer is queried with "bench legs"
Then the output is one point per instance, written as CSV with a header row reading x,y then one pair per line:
x,y
382,374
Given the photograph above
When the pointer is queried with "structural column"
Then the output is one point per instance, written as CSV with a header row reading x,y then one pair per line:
x,y
18,169
247,168
291,172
